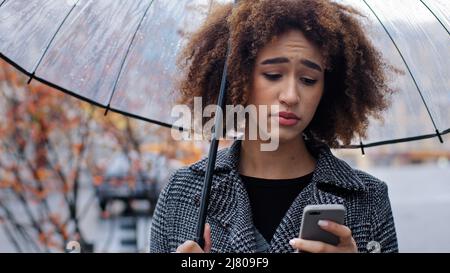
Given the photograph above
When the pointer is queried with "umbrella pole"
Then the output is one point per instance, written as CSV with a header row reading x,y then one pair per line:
x,y
215,136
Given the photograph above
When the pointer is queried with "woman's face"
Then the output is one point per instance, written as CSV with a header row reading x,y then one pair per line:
x,y
289,73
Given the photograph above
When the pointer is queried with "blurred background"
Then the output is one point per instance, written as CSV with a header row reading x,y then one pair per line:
x,y
67,172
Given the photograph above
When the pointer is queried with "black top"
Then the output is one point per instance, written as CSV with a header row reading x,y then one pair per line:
x,y
270,199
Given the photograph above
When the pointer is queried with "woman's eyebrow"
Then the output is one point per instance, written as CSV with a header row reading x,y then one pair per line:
x,y
311,64
278,60
281,60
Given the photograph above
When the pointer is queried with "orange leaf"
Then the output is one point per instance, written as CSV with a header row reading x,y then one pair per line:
x,y
42,174
98,180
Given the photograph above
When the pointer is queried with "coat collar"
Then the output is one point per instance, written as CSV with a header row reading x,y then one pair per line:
x,y
329,169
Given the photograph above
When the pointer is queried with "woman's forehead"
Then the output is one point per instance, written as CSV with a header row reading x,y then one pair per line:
x,y
292,45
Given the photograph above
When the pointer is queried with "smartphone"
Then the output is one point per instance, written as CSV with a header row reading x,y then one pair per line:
x,y
310,229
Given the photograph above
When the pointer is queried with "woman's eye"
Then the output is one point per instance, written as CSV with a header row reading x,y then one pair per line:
x,y
272,77
308,81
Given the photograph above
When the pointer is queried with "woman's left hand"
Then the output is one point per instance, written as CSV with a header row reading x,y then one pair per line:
x,y
346,242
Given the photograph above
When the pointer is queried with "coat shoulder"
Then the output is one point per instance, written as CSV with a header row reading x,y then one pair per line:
x,y
187,182
224,161
372,183
184,180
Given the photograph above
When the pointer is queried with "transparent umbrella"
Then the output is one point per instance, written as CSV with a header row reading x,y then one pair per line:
x,y
120,55
413,35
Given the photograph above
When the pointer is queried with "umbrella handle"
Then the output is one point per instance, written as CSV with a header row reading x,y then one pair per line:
x,y
217,131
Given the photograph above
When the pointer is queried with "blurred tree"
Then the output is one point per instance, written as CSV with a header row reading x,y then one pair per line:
x,y
43,140
52,144
48,147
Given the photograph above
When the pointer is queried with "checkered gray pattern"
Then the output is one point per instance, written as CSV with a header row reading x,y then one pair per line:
x,y
365,197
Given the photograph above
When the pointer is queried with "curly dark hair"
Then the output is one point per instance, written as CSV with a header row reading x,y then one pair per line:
x,y
355,80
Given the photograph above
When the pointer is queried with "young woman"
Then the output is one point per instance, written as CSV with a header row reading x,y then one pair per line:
x,y
312,59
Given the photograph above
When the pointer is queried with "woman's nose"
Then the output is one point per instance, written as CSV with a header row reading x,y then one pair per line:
x,y
289,93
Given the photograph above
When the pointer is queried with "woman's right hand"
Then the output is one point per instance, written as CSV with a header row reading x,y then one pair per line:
x,y
193,247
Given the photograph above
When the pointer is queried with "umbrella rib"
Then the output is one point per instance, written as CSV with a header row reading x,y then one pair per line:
x,y
437,18
32,75
211,2
73,94
361,145
438,134
3,2
394,141
108,106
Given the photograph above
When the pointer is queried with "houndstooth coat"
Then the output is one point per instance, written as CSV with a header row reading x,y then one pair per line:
x,y
365,197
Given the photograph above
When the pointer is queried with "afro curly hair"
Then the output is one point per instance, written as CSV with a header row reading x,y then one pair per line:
x,y
355,78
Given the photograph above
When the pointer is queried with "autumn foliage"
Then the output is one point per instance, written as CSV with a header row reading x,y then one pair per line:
x,y
49,144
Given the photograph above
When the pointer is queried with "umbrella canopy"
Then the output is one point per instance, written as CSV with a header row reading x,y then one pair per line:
x,y
413,36
121,55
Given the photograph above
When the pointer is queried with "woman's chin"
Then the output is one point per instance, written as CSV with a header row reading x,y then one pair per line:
x,y
285,135
288,138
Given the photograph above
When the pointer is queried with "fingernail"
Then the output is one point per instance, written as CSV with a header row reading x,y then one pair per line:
x,y
292,242
322,223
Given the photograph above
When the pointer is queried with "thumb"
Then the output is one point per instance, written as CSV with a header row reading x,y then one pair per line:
x,y
207,238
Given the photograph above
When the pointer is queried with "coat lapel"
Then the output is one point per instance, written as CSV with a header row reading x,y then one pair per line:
x,y
229,202
329,171
242,233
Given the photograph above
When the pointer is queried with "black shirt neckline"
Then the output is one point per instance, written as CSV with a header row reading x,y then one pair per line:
x,y
252,181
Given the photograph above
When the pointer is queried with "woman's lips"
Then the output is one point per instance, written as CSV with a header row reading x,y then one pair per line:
x,y
288,119
287,122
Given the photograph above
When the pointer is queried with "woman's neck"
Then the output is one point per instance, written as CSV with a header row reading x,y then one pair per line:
x,y
292,159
